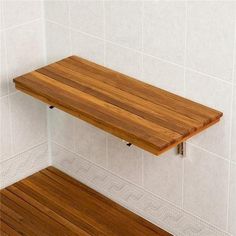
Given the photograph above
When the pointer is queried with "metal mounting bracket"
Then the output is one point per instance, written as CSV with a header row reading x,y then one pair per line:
x,y
127,143
181,149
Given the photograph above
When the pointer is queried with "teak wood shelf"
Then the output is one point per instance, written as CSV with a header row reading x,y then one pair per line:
x,y
144,115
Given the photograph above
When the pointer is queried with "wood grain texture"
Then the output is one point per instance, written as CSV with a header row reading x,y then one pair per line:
x,y
51,203
147,116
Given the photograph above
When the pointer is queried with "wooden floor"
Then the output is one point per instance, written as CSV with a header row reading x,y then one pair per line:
x,y
52,203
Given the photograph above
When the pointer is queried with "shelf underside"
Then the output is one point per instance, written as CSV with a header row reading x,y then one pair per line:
x,y
144,115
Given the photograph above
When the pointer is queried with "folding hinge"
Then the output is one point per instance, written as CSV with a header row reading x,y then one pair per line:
x,y
181,149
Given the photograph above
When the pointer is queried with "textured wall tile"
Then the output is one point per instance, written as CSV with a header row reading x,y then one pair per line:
x,y
87,16
57,11
20,12
232,200
57,42
163,75
164,29
87,47
62,128
123,23
90,142
233,138
65,159
1,15
28,122
215,94
210,37
206,186
25,49
163,175
5,129
23,165
123,160
123,60
3,66
73,164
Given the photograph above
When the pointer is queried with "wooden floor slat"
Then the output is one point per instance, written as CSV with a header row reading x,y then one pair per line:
x,y
52,203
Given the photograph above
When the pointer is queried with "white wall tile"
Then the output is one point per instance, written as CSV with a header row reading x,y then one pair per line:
x,y
233,138
28,122
62,128
123,23
3,66
125,161
87,47
215,94
23,165
163,75
1,15
164,30
232,200
57,11
91,142
163,175
123,60
64,158
24,49
87,16
210,37
20,12
5,129
57,42
206,186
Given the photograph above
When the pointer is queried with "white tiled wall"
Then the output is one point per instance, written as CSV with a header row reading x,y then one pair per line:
x,y
187,47
23,127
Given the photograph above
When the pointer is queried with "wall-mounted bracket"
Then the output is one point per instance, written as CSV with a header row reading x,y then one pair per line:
x,y
127,143
181,149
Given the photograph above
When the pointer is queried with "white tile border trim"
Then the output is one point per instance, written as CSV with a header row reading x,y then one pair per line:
x,y
149,206
23,165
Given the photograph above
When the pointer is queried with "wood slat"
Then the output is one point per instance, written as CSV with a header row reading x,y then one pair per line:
x,y
5,229
52,203
142,114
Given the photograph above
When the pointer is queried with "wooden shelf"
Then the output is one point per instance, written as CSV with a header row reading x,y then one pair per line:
x,y
144,115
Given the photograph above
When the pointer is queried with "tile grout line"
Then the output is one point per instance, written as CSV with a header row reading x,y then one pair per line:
x,y
24,151
104,61
231,124
20,25
142,77
9,94
205,150
8,90
145,54
45,62
185,59
69,28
